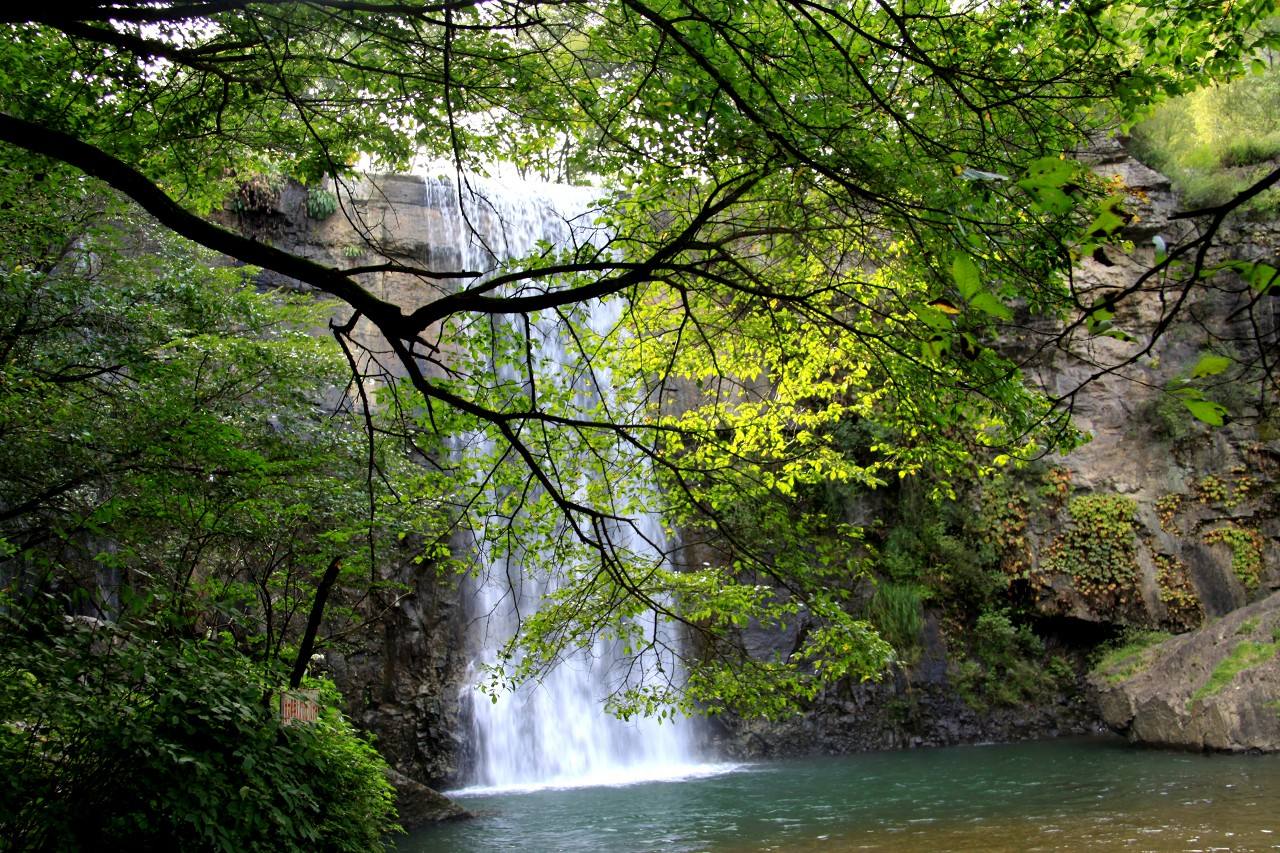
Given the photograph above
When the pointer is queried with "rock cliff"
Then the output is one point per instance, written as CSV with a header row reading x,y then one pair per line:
x,y
402,676
1198,501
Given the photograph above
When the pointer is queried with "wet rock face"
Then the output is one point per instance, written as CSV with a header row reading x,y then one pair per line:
x,y
1217,688
916,707
898,714
402,678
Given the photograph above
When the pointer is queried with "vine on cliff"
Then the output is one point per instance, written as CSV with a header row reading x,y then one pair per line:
x,y
1005,514
1167,508
1099,550
1246,551
1177,593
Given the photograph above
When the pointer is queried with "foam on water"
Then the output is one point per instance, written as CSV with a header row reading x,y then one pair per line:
x,y
607,778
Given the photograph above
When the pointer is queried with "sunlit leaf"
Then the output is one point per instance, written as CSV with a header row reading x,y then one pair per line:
x,y
1210,365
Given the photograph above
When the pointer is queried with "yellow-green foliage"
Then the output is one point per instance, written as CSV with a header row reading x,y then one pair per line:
x,y
1215,141
1246,551
1098,551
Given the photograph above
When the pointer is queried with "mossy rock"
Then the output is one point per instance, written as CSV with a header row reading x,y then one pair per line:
x,y
1216,688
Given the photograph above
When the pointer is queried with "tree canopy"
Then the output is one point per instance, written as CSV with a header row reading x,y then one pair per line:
x,y
821,217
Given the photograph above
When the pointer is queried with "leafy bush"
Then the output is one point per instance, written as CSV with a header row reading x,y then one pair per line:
x,y
321,203
110,742
1007,665
944,549
1250,150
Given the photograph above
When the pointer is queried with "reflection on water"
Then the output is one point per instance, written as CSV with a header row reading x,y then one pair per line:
x,y
1096,794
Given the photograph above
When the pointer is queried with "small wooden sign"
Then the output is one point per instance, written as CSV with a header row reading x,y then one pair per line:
x,y
300,707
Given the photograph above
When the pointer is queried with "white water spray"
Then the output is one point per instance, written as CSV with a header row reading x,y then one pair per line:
x,y
553,733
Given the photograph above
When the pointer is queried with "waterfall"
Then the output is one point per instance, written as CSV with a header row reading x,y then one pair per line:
x,y
555,732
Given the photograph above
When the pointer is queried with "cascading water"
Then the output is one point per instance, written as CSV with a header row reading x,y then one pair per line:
x,y
555,732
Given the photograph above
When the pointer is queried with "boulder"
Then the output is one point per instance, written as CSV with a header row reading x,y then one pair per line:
x,y
1217,688
419,805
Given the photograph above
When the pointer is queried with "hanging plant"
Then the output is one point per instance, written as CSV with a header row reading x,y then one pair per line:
x,y
321,203
258,194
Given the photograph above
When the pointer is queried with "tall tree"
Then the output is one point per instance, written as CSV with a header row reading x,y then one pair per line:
x,y
846,202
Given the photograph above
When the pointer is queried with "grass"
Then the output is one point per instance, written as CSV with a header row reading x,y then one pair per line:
x,y
897,611
1245,655
1129,656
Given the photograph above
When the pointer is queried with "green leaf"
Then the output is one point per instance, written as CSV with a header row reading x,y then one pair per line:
x,y
1210,365
1052,171
988,304
965,274
1203,409
934,348
1120,335
1110,219
1047,198
1099,319
1262,277
1206,410
932,317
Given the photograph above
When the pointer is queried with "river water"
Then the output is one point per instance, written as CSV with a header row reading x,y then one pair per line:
x,y
1091,794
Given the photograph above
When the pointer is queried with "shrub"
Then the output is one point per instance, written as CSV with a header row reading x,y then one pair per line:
x,y
1250,151
1007,665
321,203
111,741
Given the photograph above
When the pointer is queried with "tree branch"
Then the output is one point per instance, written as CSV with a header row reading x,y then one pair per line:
x,y
313,622
137,186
